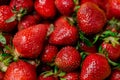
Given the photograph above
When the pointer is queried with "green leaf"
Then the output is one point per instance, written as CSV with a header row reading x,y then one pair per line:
x,y
2,39
11,19
63,79
61,74
96,38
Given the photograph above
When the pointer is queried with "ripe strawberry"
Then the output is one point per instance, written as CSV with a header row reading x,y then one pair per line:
x,y
72,76
115,75
27,21
113,9
68,59
6,13
64,33
65,7
29,42
113,51
25,4
20,70
46,8
42,77
89,23
95,67
2,75
49,53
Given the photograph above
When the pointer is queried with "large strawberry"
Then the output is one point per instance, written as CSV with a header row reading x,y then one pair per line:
x,y
46,8
91,19
115,75
29,42
95,67
20,70
5,14
64,33
65,7
68,59
25,4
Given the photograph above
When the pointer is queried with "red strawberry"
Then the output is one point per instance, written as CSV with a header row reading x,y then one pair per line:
x,y
65,7
26,22
5,14
25,4
68,59
113,9
20,70
113,51
64,33
29,42
42,77
49,53
2,75
95,67
72,76
89,23
46,8
115,75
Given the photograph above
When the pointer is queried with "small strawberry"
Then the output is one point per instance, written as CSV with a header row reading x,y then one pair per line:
x,y
28,43
64,33
20,70
6,13
42,77
65,7
89,23
95,67
115,75
2,75
46,8
25,4
113,9
71,76
26,22
68,59
49,53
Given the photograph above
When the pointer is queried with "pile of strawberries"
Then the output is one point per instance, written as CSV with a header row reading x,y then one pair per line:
x,y
59,39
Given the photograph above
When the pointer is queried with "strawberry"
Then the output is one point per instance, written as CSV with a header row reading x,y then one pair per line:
x,y
113,51
115,75
2,75
46,8
28,43
64,33
42,77
6,13
89,23
95,67
25,4
26,22
65,7
68,59
113,9
72,76
20,70
49,53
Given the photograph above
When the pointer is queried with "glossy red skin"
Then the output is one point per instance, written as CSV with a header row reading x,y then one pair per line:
x,y
72,76
101,3
89,23
49,53
20,70
65,7
41,77
46,8
2,75
26,22
95,67
113,9
5,14
89,49
68,59
115,75
113,51
29,42
64,34
26,4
